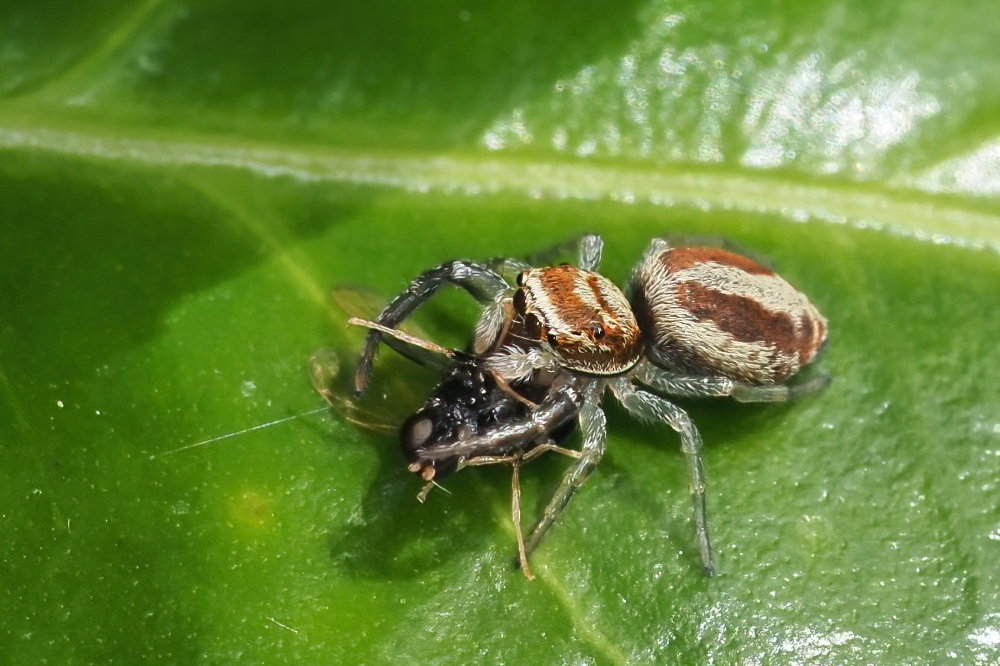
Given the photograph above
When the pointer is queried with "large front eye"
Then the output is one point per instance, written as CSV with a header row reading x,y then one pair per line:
x,y
598,331
532,326
520,302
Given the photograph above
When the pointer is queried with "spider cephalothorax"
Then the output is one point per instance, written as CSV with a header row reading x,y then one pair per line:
x,y
700,321
579,316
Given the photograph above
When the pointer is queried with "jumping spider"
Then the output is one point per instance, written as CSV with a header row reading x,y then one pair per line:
x,y
698,321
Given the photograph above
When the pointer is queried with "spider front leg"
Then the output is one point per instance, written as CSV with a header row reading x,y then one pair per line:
x,y
562,402
594,428
649,407
512,364
484,284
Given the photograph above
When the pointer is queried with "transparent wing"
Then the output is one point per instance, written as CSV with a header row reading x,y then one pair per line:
x,y
325,370
330,370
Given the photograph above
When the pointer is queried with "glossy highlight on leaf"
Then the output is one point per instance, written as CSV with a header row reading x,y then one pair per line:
x,y
185,185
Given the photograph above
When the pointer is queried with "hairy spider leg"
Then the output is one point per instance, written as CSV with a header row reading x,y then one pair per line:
x,y
650,407
588,249
482,283
780,392
358,302
665,381
647,406
571,395
593,425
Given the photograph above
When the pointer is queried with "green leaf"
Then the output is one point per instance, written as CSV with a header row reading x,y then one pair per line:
x,y
183,184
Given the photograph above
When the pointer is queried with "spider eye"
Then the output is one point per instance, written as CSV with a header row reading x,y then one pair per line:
x,y
519,280
598,331
553,340
532,326
520,302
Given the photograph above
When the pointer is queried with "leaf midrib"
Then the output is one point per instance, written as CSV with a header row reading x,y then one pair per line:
x,y
937,218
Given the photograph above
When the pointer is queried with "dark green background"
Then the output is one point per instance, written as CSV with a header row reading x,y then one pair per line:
x,y
181,184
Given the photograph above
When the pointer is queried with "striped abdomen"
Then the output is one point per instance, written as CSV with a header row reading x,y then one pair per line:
x,y
707,311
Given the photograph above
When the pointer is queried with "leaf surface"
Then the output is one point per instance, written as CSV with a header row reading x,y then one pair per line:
x,y
184,184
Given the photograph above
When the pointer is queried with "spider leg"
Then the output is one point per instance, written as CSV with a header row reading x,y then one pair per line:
x,y
511,363
324,369
572,395
558,406
590,248
594,428
667,382
515,462
780,392
508,268
493,324
650,407
484,284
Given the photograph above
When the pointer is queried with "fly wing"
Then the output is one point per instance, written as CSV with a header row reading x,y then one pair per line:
x,y
327,366
324,370
362,303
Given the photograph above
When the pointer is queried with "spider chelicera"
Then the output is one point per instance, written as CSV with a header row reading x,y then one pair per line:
x,y
698,321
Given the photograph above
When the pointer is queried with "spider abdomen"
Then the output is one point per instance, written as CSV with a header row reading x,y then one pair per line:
x,y
708,311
